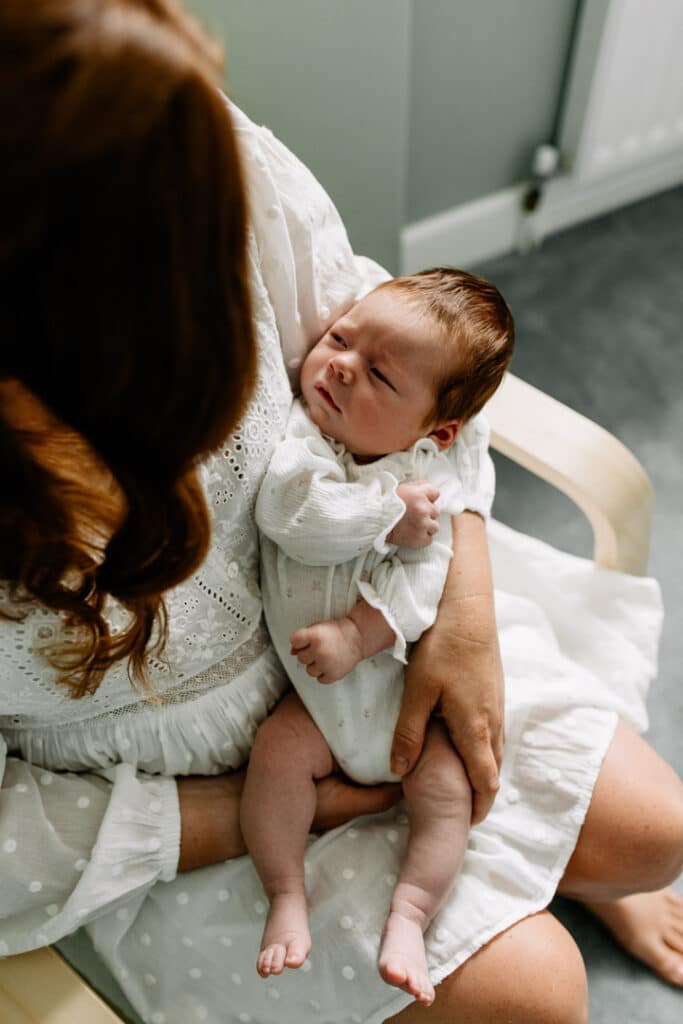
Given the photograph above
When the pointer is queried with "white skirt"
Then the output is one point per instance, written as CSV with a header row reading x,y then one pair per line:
x,y
579,649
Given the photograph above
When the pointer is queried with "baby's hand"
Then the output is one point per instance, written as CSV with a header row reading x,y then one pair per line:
x,y
421,518
329,650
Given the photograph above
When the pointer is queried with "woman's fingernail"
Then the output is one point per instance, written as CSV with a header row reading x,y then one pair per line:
x,y
399,765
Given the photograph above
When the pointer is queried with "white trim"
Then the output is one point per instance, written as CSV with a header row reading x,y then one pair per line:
x,y
464,234
493,225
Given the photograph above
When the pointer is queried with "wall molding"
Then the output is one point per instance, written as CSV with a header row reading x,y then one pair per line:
x,y
492,226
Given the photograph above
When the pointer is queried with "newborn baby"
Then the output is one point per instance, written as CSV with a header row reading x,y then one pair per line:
x,y
354,513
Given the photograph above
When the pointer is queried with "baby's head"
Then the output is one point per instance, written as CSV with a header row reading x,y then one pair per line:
x,y
417,357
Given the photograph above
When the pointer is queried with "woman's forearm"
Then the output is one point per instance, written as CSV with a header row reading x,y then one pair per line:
x,y
467,601
456,668
210,831
210,819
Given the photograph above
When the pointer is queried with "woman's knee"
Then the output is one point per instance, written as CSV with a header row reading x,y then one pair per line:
x,y
532,973
632,838
543,974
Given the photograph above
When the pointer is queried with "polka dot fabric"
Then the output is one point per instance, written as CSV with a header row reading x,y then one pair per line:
x,y
89,824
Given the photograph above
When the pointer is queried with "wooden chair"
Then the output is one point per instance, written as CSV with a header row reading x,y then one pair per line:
x,y
545,437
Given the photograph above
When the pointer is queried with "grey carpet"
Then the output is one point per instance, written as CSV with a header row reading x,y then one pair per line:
x,y
599,313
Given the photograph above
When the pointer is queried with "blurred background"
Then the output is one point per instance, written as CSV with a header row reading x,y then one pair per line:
x,y
423,119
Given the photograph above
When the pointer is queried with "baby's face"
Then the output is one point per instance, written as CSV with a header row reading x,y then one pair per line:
x,y
370,380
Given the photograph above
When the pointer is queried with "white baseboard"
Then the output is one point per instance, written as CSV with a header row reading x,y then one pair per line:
x,y
493,225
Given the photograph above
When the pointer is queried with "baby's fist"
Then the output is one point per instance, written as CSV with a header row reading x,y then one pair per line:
x,y
329,650
421,518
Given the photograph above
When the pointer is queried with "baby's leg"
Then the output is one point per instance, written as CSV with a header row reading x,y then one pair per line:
x,y
440,798
278,804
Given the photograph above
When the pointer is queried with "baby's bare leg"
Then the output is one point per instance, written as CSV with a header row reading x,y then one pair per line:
x,y
278,804
440,798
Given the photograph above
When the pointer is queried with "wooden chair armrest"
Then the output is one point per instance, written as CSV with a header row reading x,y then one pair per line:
x,y
41,988
582,460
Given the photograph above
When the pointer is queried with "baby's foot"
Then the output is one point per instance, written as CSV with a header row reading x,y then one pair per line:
x,y
286,940
649,926
402,960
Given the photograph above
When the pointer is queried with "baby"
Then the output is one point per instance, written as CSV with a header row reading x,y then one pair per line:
x,y
352,572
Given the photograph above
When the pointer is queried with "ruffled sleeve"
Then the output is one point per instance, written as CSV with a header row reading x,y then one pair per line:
x,y
407,586
309,508
473,465
74,846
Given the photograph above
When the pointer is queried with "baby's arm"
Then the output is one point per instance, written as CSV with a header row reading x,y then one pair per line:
x,y
316,516
407,588
398,603
402,596
331,649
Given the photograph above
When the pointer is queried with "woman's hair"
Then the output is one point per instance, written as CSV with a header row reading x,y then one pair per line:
x,y
478,333
125,311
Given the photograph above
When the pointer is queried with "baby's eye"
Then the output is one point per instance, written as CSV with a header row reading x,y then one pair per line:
x,y
339,340
380,376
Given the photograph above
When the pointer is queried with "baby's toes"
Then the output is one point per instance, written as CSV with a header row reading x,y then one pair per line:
x,y
271,960
412,983
297,951
425,993
419,985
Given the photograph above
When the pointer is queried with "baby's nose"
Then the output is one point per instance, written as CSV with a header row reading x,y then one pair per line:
x,y
341,368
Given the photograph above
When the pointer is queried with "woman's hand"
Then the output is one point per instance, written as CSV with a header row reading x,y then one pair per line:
x,y
210,813
455,670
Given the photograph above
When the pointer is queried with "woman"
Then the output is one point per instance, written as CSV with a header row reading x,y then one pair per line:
x,y
130,278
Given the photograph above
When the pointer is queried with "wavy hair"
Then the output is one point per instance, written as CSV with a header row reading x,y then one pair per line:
x,y
478,332
126,312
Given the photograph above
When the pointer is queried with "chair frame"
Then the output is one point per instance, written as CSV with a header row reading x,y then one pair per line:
x,y
547,438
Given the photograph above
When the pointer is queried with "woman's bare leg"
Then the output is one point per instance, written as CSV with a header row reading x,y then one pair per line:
x,y
530,974
632,843
649,926
278,804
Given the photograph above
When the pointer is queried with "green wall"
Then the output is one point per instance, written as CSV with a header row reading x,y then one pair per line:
x,y
486,81
402,108
330,78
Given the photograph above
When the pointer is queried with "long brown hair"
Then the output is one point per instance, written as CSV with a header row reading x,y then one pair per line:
x,y
125,309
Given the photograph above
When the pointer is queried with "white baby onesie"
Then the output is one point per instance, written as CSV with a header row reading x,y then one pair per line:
x,y
324,523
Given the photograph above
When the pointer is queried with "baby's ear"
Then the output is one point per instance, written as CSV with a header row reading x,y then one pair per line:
x,y
445,435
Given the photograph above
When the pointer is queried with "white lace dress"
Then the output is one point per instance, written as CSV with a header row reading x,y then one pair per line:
x,y
89,824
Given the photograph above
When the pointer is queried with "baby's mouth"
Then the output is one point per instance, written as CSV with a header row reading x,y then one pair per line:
x,y
327,396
